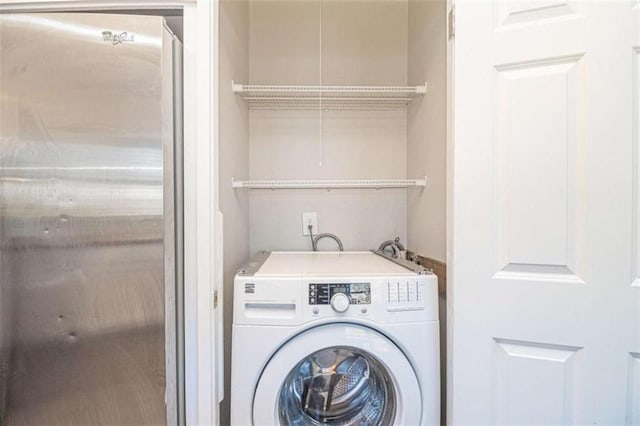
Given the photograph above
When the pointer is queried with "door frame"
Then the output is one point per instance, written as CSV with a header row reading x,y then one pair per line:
x,y
201,227
448,371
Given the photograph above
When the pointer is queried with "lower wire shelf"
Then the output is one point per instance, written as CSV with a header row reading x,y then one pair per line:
x,y
329,184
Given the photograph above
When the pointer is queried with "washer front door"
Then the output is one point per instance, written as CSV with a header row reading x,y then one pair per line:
x,y
342,374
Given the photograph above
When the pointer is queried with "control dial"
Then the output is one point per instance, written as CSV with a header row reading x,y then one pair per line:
x,y
340,302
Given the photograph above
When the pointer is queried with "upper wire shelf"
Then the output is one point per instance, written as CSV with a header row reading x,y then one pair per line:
x,y
274,97
329,184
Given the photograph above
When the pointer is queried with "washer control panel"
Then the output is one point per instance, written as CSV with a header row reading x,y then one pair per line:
x,y
405,295
358,293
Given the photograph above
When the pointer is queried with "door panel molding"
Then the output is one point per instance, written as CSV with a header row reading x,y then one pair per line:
x,y
523,13
541,371
539,169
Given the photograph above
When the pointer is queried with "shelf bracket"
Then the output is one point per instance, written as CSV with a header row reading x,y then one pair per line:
x,y
236,87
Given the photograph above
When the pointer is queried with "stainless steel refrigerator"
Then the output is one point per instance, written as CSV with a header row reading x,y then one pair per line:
x,y
90,220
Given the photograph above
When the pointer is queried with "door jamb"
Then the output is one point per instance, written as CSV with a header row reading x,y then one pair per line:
x,y
448,368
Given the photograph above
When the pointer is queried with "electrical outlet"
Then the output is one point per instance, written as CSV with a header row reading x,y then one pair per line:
x,y
309,218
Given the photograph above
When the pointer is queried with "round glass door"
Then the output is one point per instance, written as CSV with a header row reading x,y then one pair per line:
x,y
338,386
338,374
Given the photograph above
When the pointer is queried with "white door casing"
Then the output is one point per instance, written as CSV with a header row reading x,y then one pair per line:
x,y
544,221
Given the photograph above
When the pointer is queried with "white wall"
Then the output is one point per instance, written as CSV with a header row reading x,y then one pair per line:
x,y
427,145
234,160
426,141
362,43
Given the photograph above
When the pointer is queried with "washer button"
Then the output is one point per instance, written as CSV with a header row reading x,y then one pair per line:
x,y
316,311
363,310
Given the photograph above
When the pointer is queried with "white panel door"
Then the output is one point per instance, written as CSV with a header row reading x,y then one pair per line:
x,y
545,288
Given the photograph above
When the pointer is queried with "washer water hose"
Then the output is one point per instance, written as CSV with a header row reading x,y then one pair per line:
x,y
314,240
396,247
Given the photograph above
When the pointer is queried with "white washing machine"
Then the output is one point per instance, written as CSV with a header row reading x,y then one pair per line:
x,y
344,338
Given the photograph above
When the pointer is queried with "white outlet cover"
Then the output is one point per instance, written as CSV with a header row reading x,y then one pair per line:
x,y
309,218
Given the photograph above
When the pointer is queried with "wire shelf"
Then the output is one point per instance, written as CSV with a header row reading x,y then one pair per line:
x,y
273,97
329,184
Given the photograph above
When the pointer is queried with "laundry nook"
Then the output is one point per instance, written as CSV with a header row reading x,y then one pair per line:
x,y
333,118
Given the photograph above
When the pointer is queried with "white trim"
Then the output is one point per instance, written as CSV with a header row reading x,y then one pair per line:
x,y
201,201
446,369
200,189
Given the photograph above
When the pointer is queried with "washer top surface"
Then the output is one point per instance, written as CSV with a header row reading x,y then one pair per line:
x,y
343,263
